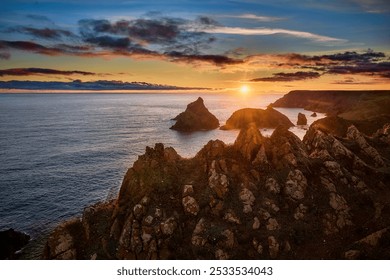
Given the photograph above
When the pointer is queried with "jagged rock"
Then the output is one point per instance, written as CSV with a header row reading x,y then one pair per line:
x,y
322,192
190,205
272,224
301,119
367,150
247,198
218,182
296,185
300,212
10,242
272,186
195,117
188,190
273,246
269,118
256,223
250,143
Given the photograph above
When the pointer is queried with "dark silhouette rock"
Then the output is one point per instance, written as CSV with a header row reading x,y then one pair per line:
x,y
196,117
301,119
269,118
314,115
264,198
12,241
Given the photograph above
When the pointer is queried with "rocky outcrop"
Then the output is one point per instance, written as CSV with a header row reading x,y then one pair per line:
x,y
301,119
195,117
12,241
356,105
268,118
325,197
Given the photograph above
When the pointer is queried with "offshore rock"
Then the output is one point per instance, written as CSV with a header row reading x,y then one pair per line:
x,y
263,197
195,117
301,119
268,118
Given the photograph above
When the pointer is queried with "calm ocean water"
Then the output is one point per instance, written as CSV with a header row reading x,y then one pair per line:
x,y
62,152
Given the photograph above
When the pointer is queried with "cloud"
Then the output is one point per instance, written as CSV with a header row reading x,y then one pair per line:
x,y
218,60
289,77
254,17
271,31
44,33
40,71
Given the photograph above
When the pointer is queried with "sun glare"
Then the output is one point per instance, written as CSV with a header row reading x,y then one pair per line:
x,y
244,89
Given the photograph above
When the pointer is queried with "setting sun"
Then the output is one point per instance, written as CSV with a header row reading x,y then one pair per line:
x,y
244,89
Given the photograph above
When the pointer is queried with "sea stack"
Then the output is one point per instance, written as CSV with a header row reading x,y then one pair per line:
x,y
196,117
301,119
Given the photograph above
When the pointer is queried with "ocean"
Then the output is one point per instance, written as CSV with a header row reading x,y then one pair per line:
x,y
62,152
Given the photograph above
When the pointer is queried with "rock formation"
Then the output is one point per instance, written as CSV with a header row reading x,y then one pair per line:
x,y
314,115
268,118
325,197
12,241
301,119
195,117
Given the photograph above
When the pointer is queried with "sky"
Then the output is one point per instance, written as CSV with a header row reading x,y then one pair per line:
x,y
234,45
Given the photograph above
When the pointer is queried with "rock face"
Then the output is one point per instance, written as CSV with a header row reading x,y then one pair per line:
x,y
269,118
195,117
10,242
325,197
301,119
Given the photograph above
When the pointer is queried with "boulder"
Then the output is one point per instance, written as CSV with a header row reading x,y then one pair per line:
x,y
268,118
10,242
196,117
301,119
314,115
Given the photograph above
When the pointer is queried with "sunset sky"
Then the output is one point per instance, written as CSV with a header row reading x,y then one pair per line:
x,y
267,46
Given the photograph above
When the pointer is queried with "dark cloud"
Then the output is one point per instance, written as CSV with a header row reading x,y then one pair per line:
x,y
350,62
289,77
381,69
43,33
40,71
110,42
166,34
219,60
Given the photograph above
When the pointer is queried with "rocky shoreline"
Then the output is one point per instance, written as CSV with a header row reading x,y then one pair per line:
x,y
326,197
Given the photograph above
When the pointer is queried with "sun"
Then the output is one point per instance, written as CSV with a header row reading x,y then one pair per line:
x,y
244,89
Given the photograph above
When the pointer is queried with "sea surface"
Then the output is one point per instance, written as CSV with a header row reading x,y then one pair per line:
x,y
62,152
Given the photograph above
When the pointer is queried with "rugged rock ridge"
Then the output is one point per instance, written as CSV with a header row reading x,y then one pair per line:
x,y
277,197
268,118
195,117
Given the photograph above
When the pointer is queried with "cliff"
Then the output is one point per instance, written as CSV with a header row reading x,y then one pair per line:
x,y
325,197
351,105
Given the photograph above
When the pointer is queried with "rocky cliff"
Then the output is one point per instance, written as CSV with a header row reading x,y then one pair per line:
x,y
325,197
352,105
